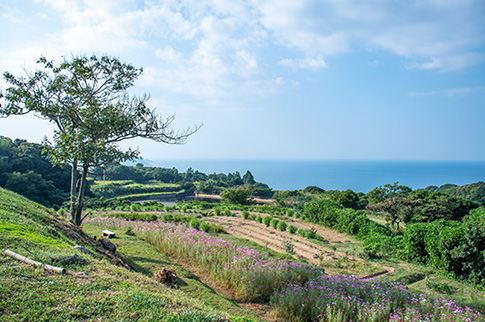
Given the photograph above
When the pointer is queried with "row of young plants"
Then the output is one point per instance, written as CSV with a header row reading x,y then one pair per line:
x,y
270,221
244,271
298,292
456,247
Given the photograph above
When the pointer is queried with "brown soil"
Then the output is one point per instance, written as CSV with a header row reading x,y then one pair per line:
x,y
272,238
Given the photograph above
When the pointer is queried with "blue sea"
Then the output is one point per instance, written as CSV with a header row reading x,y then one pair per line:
x,y
359,176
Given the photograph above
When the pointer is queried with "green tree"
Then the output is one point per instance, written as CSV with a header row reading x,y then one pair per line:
x,y
238,195
380,193
248,178
87,99
395,209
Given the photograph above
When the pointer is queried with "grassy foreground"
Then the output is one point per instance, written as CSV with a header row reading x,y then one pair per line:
x,y
102,289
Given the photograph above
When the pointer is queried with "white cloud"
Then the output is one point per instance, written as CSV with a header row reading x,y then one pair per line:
x,y
307,63
449,63
168,54
450,92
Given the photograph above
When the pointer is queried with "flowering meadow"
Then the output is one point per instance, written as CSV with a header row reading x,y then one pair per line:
x,y
348,298
298,292
244,271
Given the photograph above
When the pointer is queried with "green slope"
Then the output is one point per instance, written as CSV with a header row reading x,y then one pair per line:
x,y
97,290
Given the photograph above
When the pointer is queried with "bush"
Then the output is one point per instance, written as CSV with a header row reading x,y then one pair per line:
x,y
217,211
302,232
282,226
135,206
259,219
226,212
194,223
267,220
291,229
167,218
134,216
274,223
252,217
245,214
204,226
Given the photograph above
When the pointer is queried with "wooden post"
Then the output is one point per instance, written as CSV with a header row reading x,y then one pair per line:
x,y
29,261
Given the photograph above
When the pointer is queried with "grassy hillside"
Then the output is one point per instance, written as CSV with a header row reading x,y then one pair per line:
x,y
103,288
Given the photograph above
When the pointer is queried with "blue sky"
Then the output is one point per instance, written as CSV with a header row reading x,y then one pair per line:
x,y
278,79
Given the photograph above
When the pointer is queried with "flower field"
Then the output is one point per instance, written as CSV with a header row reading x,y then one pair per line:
x,y
242,270
347,298
297,291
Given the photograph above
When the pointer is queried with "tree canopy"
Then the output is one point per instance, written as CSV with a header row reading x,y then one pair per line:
x,y
87,99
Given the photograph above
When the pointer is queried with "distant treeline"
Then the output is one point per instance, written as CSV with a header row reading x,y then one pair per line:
x,y
191,180
26,170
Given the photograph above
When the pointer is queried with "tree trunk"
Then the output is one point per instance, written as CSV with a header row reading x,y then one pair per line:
x,y
80,198
73,192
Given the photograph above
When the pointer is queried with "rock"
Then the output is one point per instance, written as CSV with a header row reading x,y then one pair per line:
x,y
83,249
72,260
108,245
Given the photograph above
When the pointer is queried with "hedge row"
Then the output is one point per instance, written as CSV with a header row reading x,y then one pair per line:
x,y
457,247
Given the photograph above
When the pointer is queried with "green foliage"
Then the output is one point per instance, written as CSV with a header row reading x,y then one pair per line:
x,y
380,193
291,229
194,223
25,169
134,216
347,199
259,219
267,220
281,226
245,214
440,287
274,222
239,196
473,192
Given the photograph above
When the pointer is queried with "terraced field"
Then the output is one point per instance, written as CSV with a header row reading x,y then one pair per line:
x,y
314,252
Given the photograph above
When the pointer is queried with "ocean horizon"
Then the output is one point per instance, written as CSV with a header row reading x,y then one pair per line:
x,y
359,176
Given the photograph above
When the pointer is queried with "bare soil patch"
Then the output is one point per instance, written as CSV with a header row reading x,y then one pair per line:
x,y
315,253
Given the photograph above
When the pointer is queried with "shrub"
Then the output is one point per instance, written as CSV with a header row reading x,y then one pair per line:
x,y
274,222
302,232
291,229
267,220
290,212
135,206
252,217
259,219
282,225
204,226
194,223
245,214
217,211
134,216
167,218
227,212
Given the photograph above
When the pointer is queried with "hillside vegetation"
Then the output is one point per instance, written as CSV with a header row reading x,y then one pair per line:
x,y
103,288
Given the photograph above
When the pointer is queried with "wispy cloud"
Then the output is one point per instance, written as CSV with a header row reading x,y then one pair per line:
x,y
220,47
451,92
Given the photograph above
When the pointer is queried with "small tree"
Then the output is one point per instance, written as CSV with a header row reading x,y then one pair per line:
x,y
239,195
87,100
396,209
